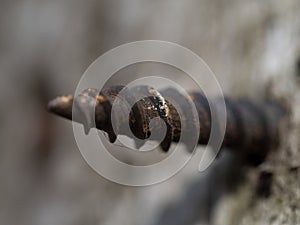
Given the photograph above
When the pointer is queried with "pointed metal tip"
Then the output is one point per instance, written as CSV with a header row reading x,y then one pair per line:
x,y
61,106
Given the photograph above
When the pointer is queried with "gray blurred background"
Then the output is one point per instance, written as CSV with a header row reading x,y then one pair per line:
x,y
46,45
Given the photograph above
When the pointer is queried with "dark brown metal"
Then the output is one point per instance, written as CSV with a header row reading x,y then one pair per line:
x,y
252,128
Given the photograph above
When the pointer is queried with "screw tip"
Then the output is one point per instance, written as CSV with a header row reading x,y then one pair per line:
x,y
61,106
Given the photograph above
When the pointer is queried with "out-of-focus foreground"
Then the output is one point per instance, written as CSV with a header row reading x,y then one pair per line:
x,y
45,46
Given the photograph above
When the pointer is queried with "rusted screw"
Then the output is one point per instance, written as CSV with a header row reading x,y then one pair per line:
x,y
252,128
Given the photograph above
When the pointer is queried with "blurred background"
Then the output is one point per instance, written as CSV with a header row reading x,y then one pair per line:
x,y
45,47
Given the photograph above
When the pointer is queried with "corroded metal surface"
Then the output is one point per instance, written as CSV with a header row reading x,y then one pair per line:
x,y
252,128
